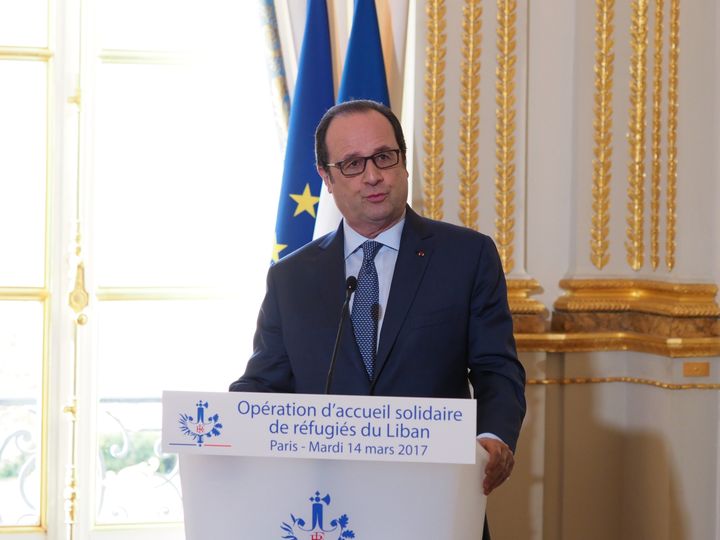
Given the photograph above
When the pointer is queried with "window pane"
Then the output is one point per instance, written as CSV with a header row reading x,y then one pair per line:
x,y
187,172
145,25
21,349
23,23
145,348
22,172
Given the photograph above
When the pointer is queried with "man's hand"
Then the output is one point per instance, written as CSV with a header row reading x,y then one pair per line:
x,y
500,463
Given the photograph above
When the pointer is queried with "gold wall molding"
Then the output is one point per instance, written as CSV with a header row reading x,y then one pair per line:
x,y
639,164
617,341
635,245
469,112
566,381
662,326
434,109
529,315
656,132
656,317
519,291
602,126
505,131
671,195
645,296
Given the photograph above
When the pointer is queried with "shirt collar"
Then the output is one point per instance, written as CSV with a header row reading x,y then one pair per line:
x,y
389,237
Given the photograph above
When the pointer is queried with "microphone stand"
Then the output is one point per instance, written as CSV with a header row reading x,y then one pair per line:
x,y
350,286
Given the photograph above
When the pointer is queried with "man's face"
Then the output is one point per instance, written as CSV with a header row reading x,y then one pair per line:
x,y
374,200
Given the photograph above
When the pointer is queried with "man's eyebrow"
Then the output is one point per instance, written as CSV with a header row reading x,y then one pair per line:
x,y
378,149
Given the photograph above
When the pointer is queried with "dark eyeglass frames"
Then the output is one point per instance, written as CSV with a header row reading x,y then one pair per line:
x,y
356,165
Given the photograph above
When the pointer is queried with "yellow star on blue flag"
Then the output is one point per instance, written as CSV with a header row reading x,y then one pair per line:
x,y
314,94
277,248
305,202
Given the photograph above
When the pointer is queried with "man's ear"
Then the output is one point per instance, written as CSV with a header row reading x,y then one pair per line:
x,y
325,175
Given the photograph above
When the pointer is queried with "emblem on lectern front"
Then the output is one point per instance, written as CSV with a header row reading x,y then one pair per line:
x,y
299,529
200,426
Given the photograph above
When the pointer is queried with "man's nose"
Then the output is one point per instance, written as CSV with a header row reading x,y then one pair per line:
x,y
372,174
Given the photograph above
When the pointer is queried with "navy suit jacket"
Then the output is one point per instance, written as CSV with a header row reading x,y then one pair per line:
x,y
447,324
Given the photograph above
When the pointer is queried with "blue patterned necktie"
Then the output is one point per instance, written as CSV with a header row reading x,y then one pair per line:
x,y
365,310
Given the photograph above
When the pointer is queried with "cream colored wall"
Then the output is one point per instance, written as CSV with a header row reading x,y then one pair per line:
x,y
621,460
637,458
612,460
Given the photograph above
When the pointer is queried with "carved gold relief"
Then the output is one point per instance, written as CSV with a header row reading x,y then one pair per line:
x,y
672,319
469,115
519,291
636,136
630,380
673,54
505,132
618,341
637,124
434,109
602,125
656,130
529,315
645,296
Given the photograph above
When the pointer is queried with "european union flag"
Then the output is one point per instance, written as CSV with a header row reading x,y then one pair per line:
x,y
364,70
363,77
313,96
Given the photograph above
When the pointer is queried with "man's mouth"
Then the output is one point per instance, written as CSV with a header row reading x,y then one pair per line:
x,y
376,197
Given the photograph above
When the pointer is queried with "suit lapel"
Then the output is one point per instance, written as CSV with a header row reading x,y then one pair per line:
x,y
416,249
331,264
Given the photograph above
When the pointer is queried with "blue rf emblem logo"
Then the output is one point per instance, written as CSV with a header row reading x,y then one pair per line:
x,y
298,528
199,427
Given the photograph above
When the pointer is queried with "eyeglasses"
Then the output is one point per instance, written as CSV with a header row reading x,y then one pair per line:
x,y
356,165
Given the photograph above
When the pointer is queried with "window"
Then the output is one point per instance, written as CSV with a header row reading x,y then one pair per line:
x,y
139,174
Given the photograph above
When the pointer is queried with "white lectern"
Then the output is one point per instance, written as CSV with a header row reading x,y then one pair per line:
x,y
251,467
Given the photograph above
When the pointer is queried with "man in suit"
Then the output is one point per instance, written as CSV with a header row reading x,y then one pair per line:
x,y
437,306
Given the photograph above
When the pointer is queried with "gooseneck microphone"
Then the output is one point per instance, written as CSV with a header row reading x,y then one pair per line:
x,y
350,286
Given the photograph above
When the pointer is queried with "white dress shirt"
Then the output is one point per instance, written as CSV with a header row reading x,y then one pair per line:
x,y
385,260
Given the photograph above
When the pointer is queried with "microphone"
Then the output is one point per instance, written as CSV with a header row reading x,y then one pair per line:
x,y
375,314
350,286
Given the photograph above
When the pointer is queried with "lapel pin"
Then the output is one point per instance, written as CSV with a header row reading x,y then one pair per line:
x,y
420,253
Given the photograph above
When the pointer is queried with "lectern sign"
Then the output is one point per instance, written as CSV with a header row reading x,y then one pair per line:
x,y
368,428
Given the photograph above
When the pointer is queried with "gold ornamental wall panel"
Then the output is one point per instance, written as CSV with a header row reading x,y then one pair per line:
x,y
672,122
656,136
474,114
469,112
434,109
653,48
602,126
505,131
635,244
483,134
